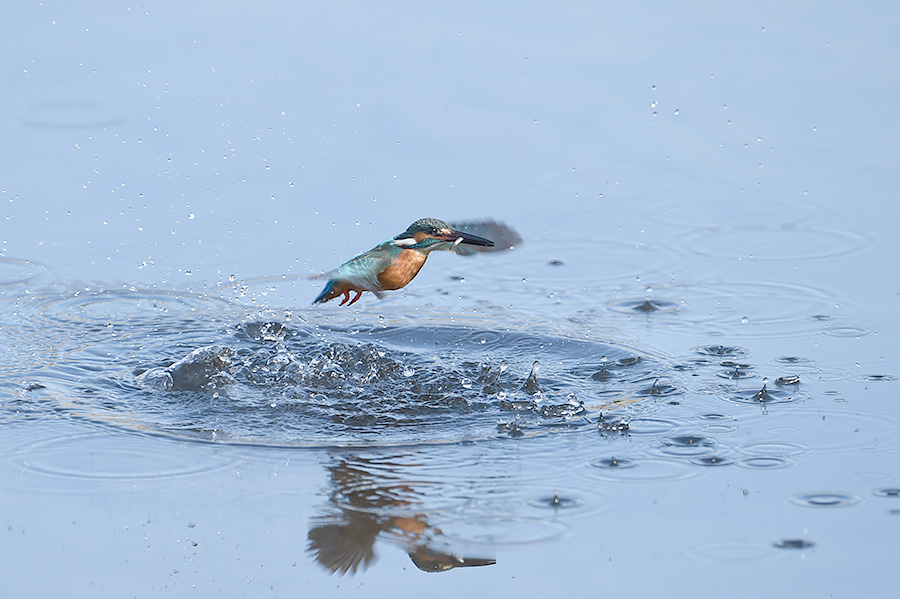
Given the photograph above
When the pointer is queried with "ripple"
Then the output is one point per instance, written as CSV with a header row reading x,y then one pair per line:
x,y
733,552
642,470
752,308
715,417
849,332
719,429
400,496
794,360
645,306
503,530
651,426
622,262
130,306
589,502
555,502
85,460
712,461
658,389
688,445
737,371
773,448
766,462
72,115
823,500
15,271
782,243
764,396
614,462
887,492
706,210
729,351
842,427
486,337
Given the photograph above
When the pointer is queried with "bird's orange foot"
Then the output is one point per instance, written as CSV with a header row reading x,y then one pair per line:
x,y
353,301
346,295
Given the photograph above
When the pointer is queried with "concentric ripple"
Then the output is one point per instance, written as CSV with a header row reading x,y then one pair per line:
x,y
824,500
14,271
119,306
765,242
81,461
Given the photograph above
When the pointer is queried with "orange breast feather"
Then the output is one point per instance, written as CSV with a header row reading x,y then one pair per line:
x,y
402,270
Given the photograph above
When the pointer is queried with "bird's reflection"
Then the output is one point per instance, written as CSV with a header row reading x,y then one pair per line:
x,y
370,499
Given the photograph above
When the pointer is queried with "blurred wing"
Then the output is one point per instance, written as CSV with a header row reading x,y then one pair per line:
x,y
503,236
362,271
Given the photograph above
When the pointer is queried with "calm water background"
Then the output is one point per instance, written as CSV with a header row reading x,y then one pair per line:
x,y
707,197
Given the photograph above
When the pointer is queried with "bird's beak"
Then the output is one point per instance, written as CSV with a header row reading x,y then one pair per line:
x,y
458,237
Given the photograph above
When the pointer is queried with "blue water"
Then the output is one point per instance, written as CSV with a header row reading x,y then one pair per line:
x,y
681,381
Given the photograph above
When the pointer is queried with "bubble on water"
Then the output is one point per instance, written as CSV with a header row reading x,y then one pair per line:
x,y
765,396
736,370
721,350
614,462
688,445
555,501
713,460
658,389
645,306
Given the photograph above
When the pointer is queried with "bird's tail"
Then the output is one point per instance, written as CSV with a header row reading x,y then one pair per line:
x,y
327,293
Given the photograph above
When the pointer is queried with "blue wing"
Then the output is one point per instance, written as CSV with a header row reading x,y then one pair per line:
x,y
362,271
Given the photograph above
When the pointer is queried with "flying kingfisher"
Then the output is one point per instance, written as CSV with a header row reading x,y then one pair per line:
x,y
394,263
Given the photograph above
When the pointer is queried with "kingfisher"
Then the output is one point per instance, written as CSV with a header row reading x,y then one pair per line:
x,y
394,263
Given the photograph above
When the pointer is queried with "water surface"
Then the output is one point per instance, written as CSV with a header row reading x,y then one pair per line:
x,y
683,376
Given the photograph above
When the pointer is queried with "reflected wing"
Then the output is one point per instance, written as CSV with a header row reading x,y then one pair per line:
x,y
345,547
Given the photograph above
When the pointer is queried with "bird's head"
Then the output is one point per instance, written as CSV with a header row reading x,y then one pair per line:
x,y
428,234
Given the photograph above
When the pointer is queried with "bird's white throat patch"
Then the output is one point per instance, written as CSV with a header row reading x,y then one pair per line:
x,y
405,242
